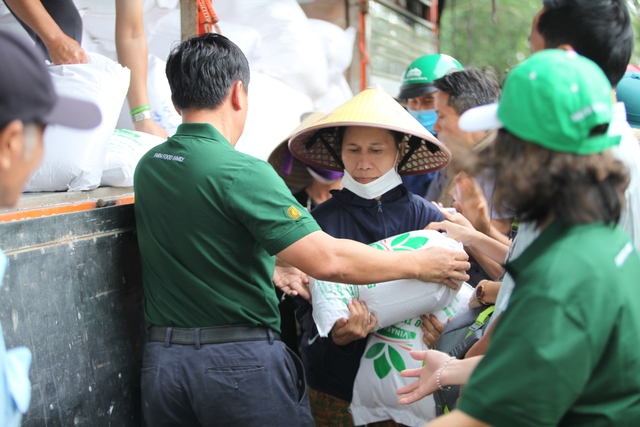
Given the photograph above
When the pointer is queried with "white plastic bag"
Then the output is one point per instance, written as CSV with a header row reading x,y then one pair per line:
x,y
124,151
391,302
274,109
290,50
73,159
386,354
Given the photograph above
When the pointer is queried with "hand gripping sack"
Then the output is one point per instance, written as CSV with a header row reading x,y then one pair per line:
x,y
73,159
391,302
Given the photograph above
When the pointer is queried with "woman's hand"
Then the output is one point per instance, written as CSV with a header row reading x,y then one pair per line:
x,y
431,329
426,376
359,324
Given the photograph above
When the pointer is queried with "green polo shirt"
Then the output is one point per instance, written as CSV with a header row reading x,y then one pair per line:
x,y
566,352
209,220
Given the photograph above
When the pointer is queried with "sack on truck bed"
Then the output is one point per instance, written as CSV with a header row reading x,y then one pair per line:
x,y
73,159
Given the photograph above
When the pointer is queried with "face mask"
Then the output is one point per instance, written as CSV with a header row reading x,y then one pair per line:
x,y
324,176
427,118
374,189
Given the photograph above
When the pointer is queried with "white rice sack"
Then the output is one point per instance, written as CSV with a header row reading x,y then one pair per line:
x,y
290,50
391,302
125,149
73,159
386,354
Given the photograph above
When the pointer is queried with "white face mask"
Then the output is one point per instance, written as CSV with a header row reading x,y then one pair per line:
x,y
374,189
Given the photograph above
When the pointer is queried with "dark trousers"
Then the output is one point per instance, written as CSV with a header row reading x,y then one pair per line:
x,y
65,14
253,383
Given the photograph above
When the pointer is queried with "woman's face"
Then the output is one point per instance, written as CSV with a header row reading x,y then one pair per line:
x,y
368,152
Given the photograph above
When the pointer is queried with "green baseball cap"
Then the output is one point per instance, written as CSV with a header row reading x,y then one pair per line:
x,y
628,91
419,76
553,99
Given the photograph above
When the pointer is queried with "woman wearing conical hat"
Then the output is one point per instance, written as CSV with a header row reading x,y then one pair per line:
x,y
373,140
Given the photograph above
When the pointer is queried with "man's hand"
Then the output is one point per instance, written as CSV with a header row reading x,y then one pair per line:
x,y
359,324
290,280
431,329
442,265
65,50
426,376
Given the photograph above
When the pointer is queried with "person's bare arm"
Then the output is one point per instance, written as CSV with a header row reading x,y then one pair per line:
x,y
455,372
131,45
347,261
62,48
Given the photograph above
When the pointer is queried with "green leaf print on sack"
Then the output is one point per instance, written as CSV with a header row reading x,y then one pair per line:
x,y
381,365
396,359
374,350
405,243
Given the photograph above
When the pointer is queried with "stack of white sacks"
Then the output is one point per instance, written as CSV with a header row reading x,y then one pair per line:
x,y
297,65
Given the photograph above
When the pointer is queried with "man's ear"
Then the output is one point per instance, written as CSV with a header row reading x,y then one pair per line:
x,y
11,140
238,93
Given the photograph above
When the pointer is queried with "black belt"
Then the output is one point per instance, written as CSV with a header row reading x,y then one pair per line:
x,y
210,335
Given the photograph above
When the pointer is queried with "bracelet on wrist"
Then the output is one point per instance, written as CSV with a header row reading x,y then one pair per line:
x,y
140,109
480,293
440,373
143,115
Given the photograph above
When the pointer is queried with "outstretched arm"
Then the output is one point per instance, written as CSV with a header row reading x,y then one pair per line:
x,y
455,372
346,261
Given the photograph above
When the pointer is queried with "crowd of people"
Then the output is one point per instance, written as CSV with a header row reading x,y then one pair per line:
x,y
538,178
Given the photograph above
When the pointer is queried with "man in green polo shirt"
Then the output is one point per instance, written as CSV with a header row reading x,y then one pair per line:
x,y
209,222
565,352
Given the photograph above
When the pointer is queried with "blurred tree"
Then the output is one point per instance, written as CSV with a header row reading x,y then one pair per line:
x,y
495,33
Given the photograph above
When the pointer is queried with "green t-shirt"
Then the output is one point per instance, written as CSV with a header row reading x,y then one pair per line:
x,y
209,220
566,351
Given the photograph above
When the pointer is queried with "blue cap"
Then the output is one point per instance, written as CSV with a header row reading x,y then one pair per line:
x,y
628,91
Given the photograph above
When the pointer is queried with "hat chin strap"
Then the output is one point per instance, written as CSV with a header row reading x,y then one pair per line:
x,y
329,148
413,146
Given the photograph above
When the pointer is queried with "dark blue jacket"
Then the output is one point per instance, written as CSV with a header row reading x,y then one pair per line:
x,y
330,368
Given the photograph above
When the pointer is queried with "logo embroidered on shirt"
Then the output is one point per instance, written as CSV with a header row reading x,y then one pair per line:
x,y
293,213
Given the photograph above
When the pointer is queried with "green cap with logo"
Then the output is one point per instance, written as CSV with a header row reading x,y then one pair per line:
x,y
419,76
555,99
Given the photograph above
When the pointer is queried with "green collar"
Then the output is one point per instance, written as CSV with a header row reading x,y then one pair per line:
x,y
554,231
200,130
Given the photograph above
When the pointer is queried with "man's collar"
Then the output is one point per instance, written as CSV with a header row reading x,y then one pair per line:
x,y
200,130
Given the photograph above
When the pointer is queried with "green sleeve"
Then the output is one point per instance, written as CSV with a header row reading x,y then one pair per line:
x,y
263,203
537,364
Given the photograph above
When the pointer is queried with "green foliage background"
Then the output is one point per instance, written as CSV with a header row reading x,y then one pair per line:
x,y
477,36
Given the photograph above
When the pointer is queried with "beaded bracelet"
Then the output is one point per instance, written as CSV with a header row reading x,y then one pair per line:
x,y
140,109
440,372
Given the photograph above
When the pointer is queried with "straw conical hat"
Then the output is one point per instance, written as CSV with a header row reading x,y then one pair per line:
x,y
291,170
318,143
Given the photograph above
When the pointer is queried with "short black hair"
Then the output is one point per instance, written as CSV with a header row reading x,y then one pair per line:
x,y
469,88
202,70
597,29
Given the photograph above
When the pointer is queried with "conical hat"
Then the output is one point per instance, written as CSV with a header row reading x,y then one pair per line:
x,y
318,144
295,174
